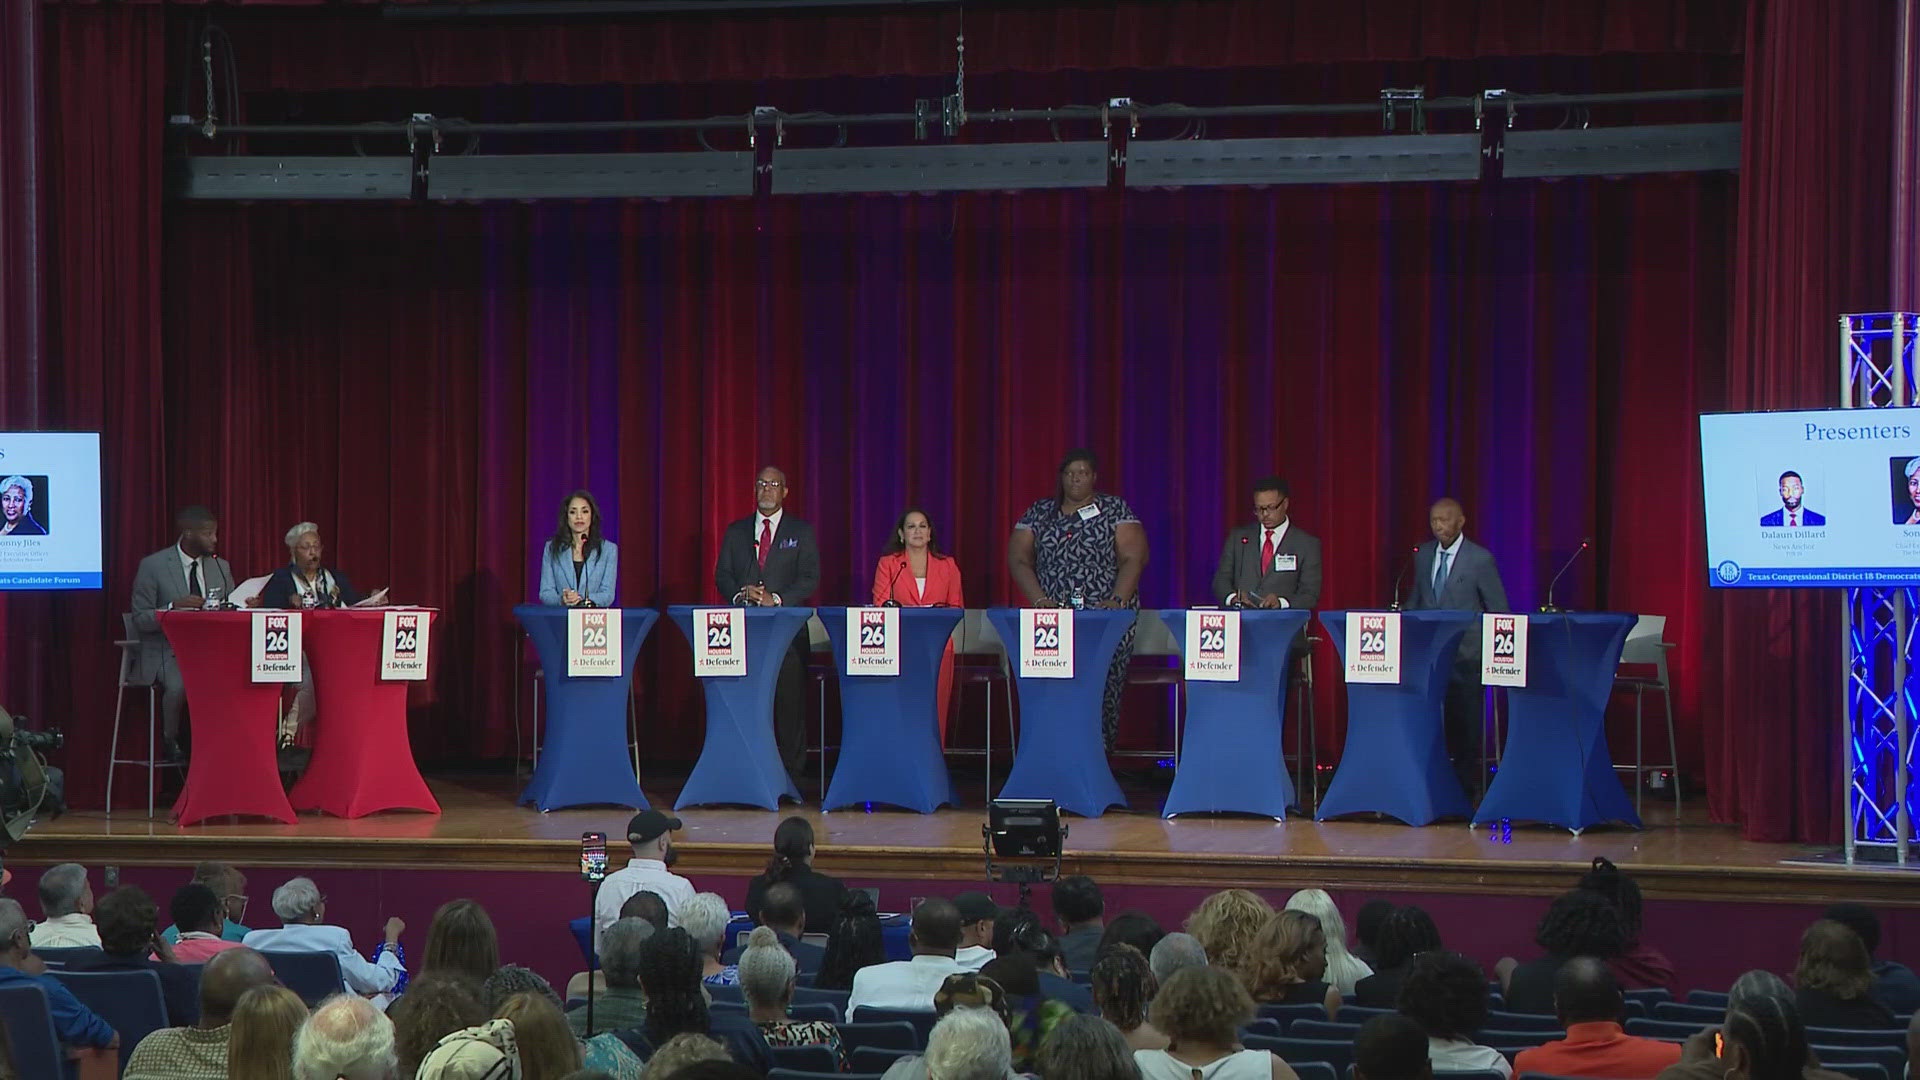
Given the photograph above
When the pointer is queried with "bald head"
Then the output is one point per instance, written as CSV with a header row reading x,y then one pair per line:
x,y
1584,991
1446,519
227,975
345,1039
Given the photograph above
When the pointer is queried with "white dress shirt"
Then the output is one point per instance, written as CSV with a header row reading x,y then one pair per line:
x,y
75,931
973,957
1465,1055
362,976
902,984
1276,535
640,875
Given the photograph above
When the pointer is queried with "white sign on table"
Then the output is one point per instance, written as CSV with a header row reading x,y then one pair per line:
x,y
403,650
1046,643
1213,646
873,641
1503,650
276,646
719,642
1373,647
594,645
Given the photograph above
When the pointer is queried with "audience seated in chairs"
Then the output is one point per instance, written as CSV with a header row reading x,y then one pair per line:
x,y
201,1052
129,927
1446,994
909,984
1173,952
969,1044
230,886
1366,930
1589,1004
486,1051
1344,970
1080,907
74,1023
1226,924
1834,980
782,913
677,1004
1289,963
978,917
792,863
622,1004
966,990
1405,933
346,1038
1639,966
1201,1010
548,1050
1391,1047
1033,940
705,919
853,944
683,1052
505,991
435,1005
1578,923
1032,1013
303,910
767,973
197,921
1122,985
66,910
1763,1036
1135,928
461,941
1894,984
1086,1048
265,1020
642,905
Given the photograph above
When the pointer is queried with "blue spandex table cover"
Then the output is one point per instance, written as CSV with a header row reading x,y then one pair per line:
x,y
1395,760
739,762
1230,754
1062,755
583,760
1556,767
890,724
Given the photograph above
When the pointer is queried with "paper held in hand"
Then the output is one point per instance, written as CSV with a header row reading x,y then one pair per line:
x,y
1373,647
1046,643
719,642
594,646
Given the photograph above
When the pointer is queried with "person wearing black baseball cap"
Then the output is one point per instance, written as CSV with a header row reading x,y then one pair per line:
x,y
977,913
650,833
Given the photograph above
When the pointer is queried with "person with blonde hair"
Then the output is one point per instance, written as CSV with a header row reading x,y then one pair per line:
x,y
1834,979
1289,964
548,1050
1225,924
1344,970
684,1049
260,1047
767,974
1201,1011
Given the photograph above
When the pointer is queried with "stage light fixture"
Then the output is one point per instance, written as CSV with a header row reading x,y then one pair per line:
x,y
1025,828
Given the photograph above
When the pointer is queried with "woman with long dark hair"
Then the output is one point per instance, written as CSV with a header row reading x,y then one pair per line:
x,y
1081,543
792,863
853,943
579,565
913,573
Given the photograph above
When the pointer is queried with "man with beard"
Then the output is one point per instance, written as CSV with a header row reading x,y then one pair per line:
x,y
649,833
178,577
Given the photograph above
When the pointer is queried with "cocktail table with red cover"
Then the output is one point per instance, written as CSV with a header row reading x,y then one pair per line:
x,y
362,757
235,719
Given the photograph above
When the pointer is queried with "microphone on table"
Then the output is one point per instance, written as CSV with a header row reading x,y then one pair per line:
x,y
891,582
1402,576
1239,600
1548,607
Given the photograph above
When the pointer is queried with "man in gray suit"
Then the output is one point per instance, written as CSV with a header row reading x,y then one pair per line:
x,y
1454,573
175,578
1272,563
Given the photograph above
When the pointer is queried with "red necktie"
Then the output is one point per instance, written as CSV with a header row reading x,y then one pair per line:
x,y
1793,519
1266,554
766,540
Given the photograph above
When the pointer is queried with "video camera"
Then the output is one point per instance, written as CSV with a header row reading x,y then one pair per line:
x,y
28,785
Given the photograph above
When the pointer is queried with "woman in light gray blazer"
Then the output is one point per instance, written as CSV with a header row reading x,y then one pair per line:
x,y
579,566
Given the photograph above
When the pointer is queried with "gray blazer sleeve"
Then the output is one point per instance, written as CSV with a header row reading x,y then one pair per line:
x,y
1223,586
1307,592
146,596
1493,594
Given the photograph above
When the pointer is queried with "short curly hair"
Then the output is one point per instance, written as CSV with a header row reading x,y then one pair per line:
x,y
1445,993
1405,933
1202,1004
1582,923
1225,925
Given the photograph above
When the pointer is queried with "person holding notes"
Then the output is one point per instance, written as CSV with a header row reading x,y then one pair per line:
x,y
579,566
1080,548
912,573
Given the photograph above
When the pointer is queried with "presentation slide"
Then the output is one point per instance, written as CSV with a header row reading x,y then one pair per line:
x,y
1812,499
49,510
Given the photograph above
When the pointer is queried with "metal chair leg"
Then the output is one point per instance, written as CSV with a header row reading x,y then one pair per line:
x,y
1639,750
152,756
823,741
113,755
1673,753
989,754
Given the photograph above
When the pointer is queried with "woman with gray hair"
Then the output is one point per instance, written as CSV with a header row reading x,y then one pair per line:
x,y
1086,1048
306,582
969,1044
16,508
303,909
705,919
767,973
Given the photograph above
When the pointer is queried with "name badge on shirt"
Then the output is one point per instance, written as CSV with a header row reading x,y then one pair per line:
x,y
1089,512
1286,563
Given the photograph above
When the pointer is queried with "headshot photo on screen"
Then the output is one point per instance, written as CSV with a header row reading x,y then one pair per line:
x,y
1792,512
23,506
1906,489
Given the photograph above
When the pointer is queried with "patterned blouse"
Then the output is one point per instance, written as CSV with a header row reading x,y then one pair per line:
x,y
805,1033
726,976
1077,550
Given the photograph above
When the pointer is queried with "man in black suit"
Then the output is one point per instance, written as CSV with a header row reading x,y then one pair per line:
x,y
770,560
784,911
1452,572
1271,564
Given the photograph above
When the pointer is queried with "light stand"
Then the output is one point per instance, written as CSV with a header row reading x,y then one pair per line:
x,y
1025,829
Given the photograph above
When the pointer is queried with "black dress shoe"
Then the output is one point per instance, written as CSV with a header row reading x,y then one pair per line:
x,y
293,759
170,752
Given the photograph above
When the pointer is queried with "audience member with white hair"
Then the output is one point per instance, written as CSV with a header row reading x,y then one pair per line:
x,y
767,975
301,907
1343,968
969,1044
705,919
1175,951
307,582
16,508
66,902
346,1038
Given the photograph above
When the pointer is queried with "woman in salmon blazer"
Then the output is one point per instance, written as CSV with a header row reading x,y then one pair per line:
x,y
912,573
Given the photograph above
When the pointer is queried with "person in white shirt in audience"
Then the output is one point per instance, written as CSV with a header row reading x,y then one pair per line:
x,y
1446,993
345,1039
650,833
66,899
303,909
1201,1011
910,984
977,914
969,1044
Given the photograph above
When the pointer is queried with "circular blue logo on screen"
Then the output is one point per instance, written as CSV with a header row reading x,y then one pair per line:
x,y
1728,571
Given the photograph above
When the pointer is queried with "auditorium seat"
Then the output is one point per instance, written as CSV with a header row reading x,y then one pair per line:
x,y
315,976
1670,1030
1321,1028
1857,1037
1336,1053
59,958
1891,1058
129,1001
1716,998
1266,1027
1858,1070
729,994
794,1074
1509,1041
29,1023
1360,1014
1510,1021
874,1059
1695,1014
1315,1070
813,1058
808,995
1288,1015
884,1034
1647,999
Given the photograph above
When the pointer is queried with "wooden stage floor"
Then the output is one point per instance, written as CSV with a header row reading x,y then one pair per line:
x,y
481,829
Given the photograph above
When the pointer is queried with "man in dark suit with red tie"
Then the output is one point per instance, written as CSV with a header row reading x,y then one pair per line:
x,y
771,560
1272,563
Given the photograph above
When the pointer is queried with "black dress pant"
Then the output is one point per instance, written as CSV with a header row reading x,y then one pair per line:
x,y
790,707
1466,723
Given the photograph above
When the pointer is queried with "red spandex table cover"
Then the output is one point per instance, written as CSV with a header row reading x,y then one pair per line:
x,y
234,719
362,759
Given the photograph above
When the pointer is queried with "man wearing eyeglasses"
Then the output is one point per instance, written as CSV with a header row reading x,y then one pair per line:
x,y
771,560
230,886
75,1024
